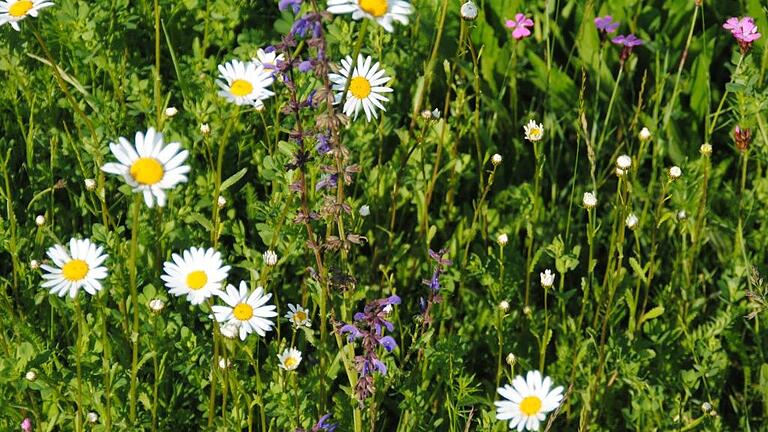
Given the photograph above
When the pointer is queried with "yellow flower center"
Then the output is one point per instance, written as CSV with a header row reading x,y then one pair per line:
x,y
243,311
241,88
75,270
530,405
19,9
360,87
299,317
290,362
147,171
197,279
535,133
376,8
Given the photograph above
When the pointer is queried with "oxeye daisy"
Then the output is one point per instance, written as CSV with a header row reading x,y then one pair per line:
x,y
381,11
78,267
533,131
365,86
245,83
150,166
290,359
13,11
298,316
268,59
196,273
528,401
247,309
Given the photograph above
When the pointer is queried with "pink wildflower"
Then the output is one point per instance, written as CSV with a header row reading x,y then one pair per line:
x,y
519,26
26,425
744,30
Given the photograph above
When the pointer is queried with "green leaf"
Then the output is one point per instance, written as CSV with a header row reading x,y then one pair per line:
x,y
651,314
233,179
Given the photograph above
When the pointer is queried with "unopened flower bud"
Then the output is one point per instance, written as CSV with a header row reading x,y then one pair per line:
x,y
156,305
706,407
624,162
40,220
90,184
496,159
426,115
221,202
469,11
270,258
644,134
229,330
93,418
34,265
675,172
742,137
632,221
502,239
224,363
31,376
682,215
620,172
171,111
589,200
365,210
511,359
205,129
706,149
504,305
527,311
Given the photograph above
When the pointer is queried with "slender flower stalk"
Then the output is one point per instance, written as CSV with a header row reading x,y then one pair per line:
x,y
78,353
106,354
134,336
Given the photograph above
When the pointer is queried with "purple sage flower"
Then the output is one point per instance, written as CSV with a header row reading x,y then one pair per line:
x,y
606,24
520,26
305,66
322,425
294,4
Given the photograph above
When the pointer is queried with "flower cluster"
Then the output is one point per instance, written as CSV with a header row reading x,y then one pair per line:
x,y
369,326
744,30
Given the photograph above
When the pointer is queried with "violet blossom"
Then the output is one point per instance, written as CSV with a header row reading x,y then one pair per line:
x,y
606,24
628,42
370,325
434,283
520,26
322,425
744,30
294,4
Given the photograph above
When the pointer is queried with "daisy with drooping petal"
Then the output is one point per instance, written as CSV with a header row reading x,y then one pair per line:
x,y
298,316
13,11
381,11
528,401
290,359
78,267
245,83
533,131
150,167
196,273
365,86
248,309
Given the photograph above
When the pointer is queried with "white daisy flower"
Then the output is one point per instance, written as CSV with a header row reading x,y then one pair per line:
x,y
365,88
198,273
382,11
245,83
528,401
78,267
248,309
13,11
268,59
298,316
547,278
290,359
533,131
151,167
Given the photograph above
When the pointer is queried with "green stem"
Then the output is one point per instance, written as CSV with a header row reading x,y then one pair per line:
x,y
105,350
610,110
722,101
78,351
134,304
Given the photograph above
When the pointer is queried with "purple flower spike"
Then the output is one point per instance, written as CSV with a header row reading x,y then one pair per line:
x,y
606,24
520,26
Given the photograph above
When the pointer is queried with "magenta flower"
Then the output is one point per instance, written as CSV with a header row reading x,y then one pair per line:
x,y
628,42
26,425
744,30
519,26
606,24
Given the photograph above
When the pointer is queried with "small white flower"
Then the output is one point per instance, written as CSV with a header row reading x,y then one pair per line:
x,y
156,305
290,359
644,134
533,131
589,200
197,273
31,376
13,11
496,159
504,305
221,202
502,239
245,83
224,363
93,418
365,210
205,129
511,359
90,184
706,407
624,162
34,265
79,266
230,330
171,111
40,220
367,84
620,172
387,309
298,316
547,279
384,12
249,309
675,172
682,215
705,149
268,59
426,114
270,258
436,114
469,11
527,401
632,221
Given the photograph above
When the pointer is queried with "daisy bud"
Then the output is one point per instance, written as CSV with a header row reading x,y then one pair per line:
x,y
675,172
624,162
31,376
620,172
496,159
644,134
171,111
682,215
469,11
547,279
270,258
511,359
705,149
426,115
93,418
90,184
502,239
230,330
34,265
205,129
40,220
706,407
156,305
632,221
365,210
713,413
224,363
589,200
221,202
504,305
527,310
